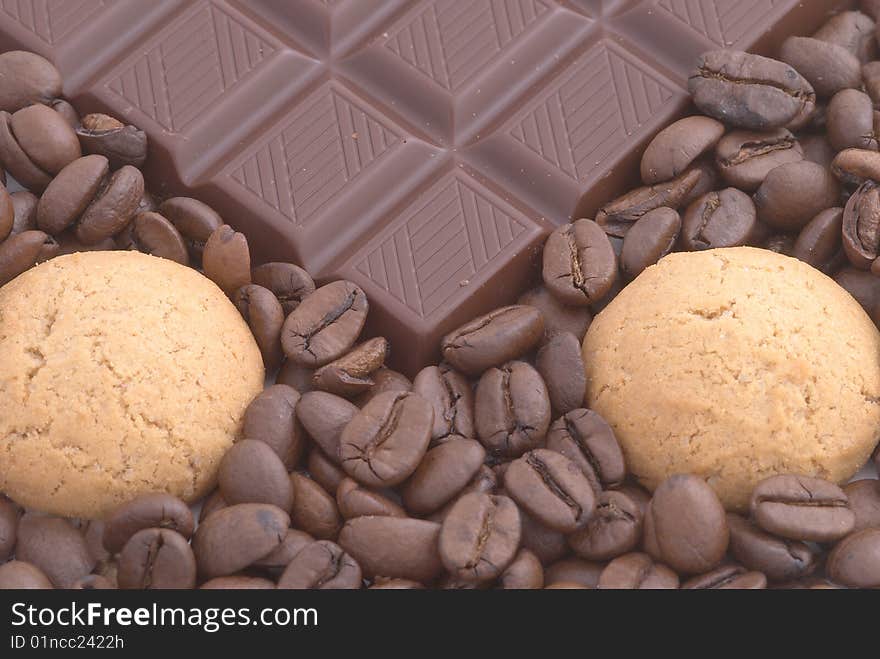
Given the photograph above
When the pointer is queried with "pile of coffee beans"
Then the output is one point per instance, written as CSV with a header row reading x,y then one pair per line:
x,y
484,471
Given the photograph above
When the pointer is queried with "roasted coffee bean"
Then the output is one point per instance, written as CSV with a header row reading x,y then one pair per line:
x,y
351,374
781,243
325,325
393,547
851,121
744,158
22,251
637,571
547,544
326,472
354,500
232,538
70,192
552,489
827,66
864,501
558,317
524,573
727,577
801,508
381,583
719,219
154,510
779,559
54,546
444,472
793,194
93,582
151,233
618,216
819,242
685,526
275,561
27,79
7,213
855,560
574,570
20,575
385,441
9,514
863,286
485,480
750,91
871,78
24,205
511,409
322,565
561,365
314,510
156,559
121,144
14,159
112,208
69,244
817,149
586,439
93,532
480,537
677,146
296,376
212,504
614,529
856,166
861,225
238,582
492,339
271,418
708,180
452,399
251,472
290,283
195,220
649,240
263,314
324,416
227,259
854,31
384,380
43,137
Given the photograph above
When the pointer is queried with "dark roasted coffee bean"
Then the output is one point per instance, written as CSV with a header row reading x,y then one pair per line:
x,y
93,532
558,317
195,220
24,205
856,166
121,144
685,526
864,501
112,208
444,472
324,416
45,137
851,121
93,582
480,536
727,577
7,213
296,376
314,510
719,219
22,251
156,559
547,544
827,66
237,582
750,91
586,439
452,399
493,339
211,504
855,560
637,571
580,265
677,146
263,314
275,561
351,374
290,283
614,529
574,570
16,161
861,225
863,286
385,441
326,472
354,500
817,149
552,489
561,365
793,194
524,573
322,565
618,216
234,537
151,233
251,472
227,259
393,547
68,243
154,510
485,480
781,243
54,546
853,30
27,79
9,514
871,78
708,180
271,418
512,409
801,508
779,559
649,240
325,325
384,380
819,242
20,575
70,193
744,158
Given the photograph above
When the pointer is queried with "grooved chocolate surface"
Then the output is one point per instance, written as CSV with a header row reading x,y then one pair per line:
x,y
422,149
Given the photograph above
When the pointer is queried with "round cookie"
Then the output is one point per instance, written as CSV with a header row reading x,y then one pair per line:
x,y
120,373
736,364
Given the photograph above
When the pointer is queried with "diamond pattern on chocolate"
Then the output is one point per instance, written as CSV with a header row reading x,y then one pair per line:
x,y
50,20
722,22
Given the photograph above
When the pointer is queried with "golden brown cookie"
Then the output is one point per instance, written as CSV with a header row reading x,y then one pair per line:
x,y
736,364
120,373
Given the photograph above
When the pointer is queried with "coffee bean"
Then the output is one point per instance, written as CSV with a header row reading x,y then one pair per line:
x,y
493,339
227,260
779,559
393,547
27,79
801,508
325,472
290,283
354,500
251,472
113,207
232,538
817,149
618,216
20,575
685,526
384,380
551,488
151,233
750,91
452,400
485,480
511,409
547,544
322,565
579,263
381,583
212,504
7,213
727,577
614,529
121,144
708,180
45,137
14,159
861,225
93,533
524,572
296,376
781,243
271,418
649,240
157,559
9,514
863,286
237,582
855,560
263,314
277,560
719,219
153,510
854,31
856,166
24,206
480,537
558,317
819,242
794,193
324,417
93,582
325,325
851,121
70,192
55,547
827,66
586,439
314,510
195,220
871,78
444,472
864,501
561,366
744,158
677,146
351,374
69,244
574,570
385,441
637,571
